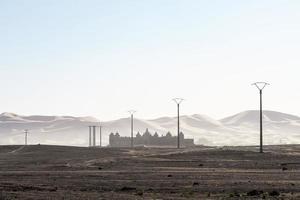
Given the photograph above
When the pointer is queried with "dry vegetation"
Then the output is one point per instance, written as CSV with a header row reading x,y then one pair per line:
x,y
57,172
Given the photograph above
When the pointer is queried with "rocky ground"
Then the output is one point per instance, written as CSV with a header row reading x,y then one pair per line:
x,y
58,172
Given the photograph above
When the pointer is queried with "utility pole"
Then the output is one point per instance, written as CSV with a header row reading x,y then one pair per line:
x,y
131,112
178,101
90,136
26,135
260,86
94,136
100,129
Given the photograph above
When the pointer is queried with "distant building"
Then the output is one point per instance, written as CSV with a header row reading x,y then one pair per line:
x,y
115,140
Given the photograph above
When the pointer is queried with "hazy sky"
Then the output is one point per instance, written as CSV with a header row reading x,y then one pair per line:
x,y
102,58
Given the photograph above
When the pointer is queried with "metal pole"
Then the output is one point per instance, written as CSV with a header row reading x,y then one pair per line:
x,y
131,130
100,136
178,101
131,139
26,134
94,136
178,127
90,136
261,123
260,86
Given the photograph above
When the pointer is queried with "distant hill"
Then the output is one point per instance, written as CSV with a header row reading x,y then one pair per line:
x,y
239,129
251,116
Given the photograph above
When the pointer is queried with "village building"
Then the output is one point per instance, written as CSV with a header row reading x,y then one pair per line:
x,y
147,139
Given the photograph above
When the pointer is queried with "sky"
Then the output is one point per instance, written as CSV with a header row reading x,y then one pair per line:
x,y
102,58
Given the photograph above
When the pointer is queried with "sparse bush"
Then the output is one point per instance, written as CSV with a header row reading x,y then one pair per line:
x,y
196,184
274,193
140,193
125,189
284,168
254,193
187,194
236,194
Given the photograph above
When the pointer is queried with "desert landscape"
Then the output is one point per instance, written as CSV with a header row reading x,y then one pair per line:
x,y
61,172
239,129
162,100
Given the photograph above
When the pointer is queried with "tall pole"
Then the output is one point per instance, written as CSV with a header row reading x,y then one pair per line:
x,y
94,136
260,86
178,127
90,136
131,130
100,127
131,116
261,124
178,101
26,135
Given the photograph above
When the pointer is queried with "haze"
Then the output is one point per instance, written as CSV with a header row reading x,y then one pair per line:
x,y
102,58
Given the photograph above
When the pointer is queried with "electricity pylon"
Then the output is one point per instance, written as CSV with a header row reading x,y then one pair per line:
x,y
260,86
178,101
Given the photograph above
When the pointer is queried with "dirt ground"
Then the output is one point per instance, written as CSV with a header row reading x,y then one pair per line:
x,y
70,173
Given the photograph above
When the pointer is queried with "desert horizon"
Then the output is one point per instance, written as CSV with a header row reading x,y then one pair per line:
x,y
280,128
149,100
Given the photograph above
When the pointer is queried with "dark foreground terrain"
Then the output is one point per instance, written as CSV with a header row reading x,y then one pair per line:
x,y
57,172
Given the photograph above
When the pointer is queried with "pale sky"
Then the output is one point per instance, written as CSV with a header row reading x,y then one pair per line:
x,y
102,58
